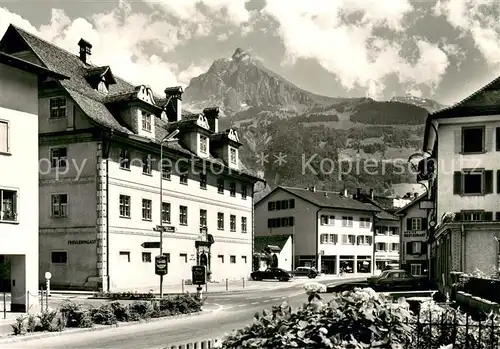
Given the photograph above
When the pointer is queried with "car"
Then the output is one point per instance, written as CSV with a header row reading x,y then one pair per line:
x,y
311,273
393,280
271,274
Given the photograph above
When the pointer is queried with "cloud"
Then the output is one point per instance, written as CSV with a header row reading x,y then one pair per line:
x,y
340,36
120,39
477,18
190,72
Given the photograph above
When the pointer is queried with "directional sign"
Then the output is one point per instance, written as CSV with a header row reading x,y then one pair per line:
x,y
150,244
165,228
161,265
199,274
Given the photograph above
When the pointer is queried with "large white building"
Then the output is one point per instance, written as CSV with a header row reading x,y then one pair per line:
x,y
19,188
328,229
100,141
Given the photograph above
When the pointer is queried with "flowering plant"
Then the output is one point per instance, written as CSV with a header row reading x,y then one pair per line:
x,y
313,289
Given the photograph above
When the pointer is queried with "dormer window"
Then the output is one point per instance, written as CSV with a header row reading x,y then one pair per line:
x,y
203,144
58,107
232,156
146,121
102,87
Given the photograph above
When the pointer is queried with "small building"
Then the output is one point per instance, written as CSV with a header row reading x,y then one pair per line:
x,y
274,251
329,230
414,235
462,167
19,80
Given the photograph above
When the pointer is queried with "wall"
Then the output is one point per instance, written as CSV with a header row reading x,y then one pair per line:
x,y
413,211
449,161
481,248
75,118
387,238
18,90
285,257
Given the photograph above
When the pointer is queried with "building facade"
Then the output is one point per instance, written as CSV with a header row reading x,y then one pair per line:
x,y
19,189
464,142
414,236
329,230
273,251
104,150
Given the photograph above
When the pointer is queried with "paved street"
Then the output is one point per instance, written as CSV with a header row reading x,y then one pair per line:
x,y
234,310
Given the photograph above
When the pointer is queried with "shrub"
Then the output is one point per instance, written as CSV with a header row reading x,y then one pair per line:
x,y
103,315
141,310
19,327
124,295
121,311
180,304
51,320
75,315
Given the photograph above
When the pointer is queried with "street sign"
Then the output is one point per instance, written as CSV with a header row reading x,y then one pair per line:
x,y
165,228
48,275
161,265
150,244
199,274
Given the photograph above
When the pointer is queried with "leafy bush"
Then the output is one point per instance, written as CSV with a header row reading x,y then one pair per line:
x,y
121,311
124,295
19,326
141,310
51,320
103,315
75,315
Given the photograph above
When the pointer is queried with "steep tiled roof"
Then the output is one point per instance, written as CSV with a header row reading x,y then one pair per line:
x,y
386,216
410,204
92,102
28,66
261,242
330,200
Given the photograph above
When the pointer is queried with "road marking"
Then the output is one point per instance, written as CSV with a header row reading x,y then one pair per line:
x,y
241,305
221,299
226,308
254,298
276,299
267,301
255,303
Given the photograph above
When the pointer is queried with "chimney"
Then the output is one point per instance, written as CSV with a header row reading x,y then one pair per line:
x,y
415,195
313,189
212,115
326,194
371,194
85,50
174,104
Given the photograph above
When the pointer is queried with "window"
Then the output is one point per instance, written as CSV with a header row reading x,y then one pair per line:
x,y
347,221
203,144
281,222
146,209
203,218
395,247
291,203
220,221
58,157
360,240
416,269
471,216
351,239
232,222
183,257
368,239
203,180
57,107
284,204
243,224
244,258
323,238
8,205
59,257
333,239
183,175
324,220
327,220
220,186
232,259
59,205
125,206
146,257
243,191
124,256
278,205
146,165
380,246
146,121
124,159
271,206
364,222
102,87
220,258
232,156
166,170
415,247
232,189
473,182
393,231
4,137
473,140
416,224
165,212
183,215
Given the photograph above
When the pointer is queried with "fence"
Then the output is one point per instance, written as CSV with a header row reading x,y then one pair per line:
x,y
206,344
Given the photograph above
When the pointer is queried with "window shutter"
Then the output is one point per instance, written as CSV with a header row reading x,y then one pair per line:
x,y
458,141
497,138
488,182
488,139
409,249
269,223
270,206
408,224
498,181
487,216
291,220
424,224
457,183
497,216
458,216
423,247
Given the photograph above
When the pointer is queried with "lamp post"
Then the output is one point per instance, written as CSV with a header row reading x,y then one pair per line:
x,y
167,138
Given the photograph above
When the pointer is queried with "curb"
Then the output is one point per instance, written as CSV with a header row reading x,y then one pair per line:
x,y
28,337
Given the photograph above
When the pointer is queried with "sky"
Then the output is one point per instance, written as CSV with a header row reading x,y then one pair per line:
x,y
443,50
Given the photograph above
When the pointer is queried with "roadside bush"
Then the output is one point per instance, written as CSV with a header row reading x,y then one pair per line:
x,y
141,310
181,304
50,320
121,311
19,327
103,315
124,295
75,315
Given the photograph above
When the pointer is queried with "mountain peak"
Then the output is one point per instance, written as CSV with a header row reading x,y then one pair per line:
x,y
239,54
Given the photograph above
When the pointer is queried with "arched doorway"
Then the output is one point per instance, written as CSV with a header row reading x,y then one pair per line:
x,y
204,259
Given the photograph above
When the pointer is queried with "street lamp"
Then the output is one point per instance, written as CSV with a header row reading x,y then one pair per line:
x,y
168,138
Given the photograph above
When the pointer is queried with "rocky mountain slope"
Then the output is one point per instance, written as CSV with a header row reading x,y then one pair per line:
x,y
274,116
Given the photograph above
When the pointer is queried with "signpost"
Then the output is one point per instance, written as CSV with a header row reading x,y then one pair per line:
x,y
161,265
150,244
165,228
199,277
48,276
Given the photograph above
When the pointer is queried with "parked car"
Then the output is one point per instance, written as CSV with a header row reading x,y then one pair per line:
x,y
393,280
271,274
311,273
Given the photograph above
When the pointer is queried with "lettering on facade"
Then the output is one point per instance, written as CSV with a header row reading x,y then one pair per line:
x,y
414,234
81,242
